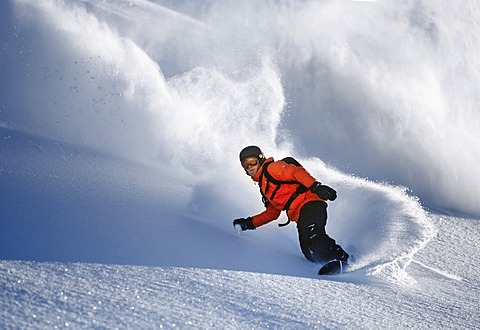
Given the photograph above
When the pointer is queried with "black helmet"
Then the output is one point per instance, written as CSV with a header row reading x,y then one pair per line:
x,y
252,151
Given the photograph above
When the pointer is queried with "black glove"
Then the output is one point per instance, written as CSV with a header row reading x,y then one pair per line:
x,y
324,192
244,223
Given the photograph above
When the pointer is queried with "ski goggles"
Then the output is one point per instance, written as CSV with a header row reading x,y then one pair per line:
x,y
251,161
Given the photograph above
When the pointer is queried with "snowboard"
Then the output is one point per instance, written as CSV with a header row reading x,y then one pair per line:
x,y
334,267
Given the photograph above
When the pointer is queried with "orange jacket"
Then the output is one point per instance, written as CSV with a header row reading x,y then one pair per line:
x,y
282,171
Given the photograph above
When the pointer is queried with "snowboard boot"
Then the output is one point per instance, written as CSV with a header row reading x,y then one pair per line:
x,y
323,255
337,253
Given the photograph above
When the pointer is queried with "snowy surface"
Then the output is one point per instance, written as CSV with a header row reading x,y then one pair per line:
x,y
120,127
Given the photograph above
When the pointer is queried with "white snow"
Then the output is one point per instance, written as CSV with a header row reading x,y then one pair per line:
x,y
120,127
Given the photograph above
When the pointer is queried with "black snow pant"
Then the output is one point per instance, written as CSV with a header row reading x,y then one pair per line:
x,y
316,245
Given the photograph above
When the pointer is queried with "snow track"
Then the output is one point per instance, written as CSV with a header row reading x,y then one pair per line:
x,y
131,214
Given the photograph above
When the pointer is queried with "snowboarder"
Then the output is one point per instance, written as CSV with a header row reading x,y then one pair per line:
x,y
286,185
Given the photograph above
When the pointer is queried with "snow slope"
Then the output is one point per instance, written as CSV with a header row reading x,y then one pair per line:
x,y
120,126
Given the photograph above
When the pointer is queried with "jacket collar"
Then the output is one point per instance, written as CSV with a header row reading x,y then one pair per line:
x,y
256,177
